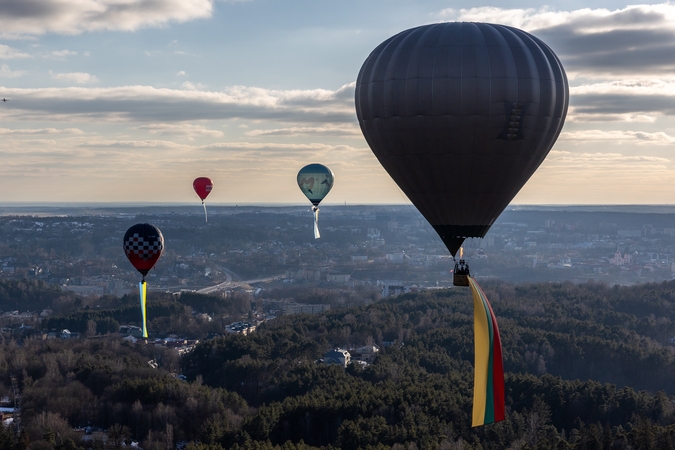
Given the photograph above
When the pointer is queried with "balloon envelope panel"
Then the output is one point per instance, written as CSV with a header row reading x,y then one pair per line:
x,y
143,245
461,115
315,181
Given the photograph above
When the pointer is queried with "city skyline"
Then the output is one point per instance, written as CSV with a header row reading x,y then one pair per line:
x,y
129,102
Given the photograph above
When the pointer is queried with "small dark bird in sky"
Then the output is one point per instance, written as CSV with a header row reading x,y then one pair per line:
x,y
4,99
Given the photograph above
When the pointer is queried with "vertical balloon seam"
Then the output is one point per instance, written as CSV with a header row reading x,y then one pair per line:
x,y
539,59
499,202
488,406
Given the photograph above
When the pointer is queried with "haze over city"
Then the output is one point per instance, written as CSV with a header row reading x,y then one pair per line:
x,y
111,102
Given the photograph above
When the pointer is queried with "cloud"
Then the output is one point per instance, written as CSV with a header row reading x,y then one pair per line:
x,y
6,72
74,77
19,18
617,136
328,130
278,146
193,87
63,53
130,143
30,131
7,52
637,39
578,159
150,104
183,129
181,73
611,99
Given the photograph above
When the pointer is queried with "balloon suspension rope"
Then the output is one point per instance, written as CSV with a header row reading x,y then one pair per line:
x,y
205,215
142,287
315,210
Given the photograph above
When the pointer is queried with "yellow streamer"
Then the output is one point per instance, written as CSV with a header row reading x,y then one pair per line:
x,y
482,355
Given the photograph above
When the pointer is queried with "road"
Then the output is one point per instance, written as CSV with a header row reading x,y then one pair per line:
x,y
229,284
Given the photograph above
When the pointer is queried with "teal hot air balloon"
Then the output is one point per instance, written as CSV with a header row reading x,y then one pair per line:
x,y
315,181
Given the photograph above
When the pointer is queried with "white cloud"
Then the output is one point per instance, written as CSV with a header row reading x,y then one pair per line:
x,y
63,53
6,72
36,17
628,97
193,87
7,52
149,104
131,143
276,146
582,159
74,77
637,39
181,73
618,137
327,130
30,131
182,129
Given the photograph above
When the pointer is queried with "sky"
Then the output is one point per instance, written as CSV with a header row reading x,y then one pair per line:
x,y
130,100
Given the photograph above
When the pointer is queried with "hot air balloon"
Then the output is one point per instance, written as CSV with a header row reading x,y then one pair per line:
x,y
143,245
461,115
315,181
203,187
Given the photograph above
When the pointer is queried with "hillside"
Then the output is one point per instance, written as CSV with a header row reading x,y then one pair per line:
x,y
588,366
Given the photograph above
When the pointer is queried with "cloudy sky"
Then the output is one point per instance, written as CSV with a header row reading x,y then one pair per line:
x,y
130,100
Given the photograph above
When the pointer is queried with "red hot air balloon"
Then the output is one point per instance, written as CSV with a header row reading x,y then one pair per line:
x,y
143,245
203,187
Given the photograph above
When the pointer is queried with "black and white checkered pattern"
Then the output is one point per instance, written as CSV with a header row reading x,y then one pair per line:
x,y
144,249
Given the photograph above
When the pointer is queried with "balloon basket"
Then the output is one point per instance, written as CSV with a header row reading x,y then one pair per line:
x,y
461,274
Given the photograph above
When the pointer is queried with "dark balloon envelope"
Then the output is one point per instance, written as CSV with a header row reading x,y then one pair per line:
x,y
143,245
461,115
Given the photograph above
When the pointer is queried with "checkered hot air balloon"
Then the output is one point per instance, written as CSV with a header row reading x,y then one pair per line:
x,y
143,245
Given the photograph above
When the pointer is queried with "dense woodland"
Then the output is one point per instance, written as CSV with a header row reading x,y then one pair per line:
x,y
588,367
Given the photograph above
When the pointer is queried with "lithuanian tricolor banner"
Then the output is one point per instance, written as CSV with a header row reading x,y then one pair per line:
x,y
488,382
143,288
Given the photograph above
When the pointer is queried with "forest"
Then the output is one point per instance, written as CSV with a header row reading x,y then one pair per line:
x,y
588,366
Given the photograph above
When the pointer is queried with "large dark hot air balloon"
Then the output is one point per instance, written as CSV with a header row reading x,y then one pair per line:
x,y
143,245
461,115
315,181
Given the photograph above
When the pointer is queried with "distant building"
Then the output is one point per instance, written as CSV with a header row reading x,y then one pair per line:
x,y
131,330
396,258
367,353
338,356
392,290
299,308
338,277
619,260
629,233
240,327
